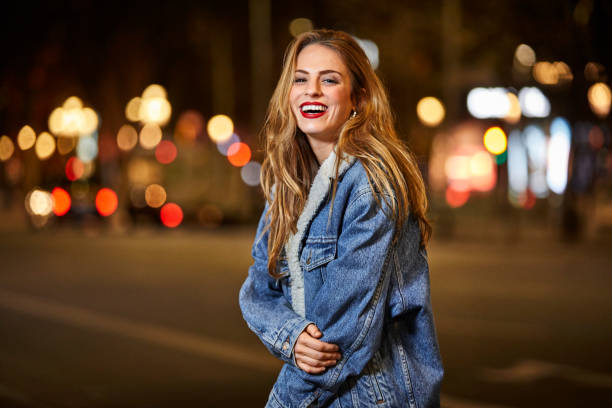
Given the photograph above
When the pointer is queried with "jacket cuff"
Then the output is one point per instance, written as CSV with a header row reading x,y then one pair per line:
x,y
287,337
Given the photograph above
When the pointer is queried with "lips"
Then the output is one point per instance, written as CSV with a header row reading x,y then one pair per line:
x,y
312,110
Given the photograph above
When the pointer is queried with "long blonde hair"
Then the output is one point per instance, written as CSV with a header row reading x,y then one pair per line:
x,y
290,165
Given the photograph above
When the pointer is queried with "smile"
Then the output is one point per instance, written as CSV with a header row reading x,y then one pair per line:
x,y
312,110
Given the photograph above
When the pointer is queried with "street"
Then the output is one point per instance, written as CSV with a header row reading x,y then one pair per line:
x,y
151,319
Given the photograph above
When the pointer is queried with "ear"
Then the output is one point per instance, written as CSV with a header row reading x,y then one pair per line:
x,y
357,98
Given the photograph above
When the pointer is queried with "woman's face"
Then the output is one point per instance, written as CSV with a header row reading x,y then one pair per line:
x,y
321,93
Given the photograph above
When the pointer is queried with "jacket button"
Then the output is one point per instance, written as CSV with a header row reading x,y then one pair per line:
x,y
308,261
285,346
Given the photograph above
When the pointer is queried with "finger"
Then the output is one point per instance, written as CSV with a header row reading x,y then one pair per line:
x,y
309,369
314,363
319,345
314,331
301,349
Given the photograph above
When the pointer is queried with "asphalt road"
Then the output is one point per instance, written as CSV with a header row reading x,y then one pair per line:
x,y
151,319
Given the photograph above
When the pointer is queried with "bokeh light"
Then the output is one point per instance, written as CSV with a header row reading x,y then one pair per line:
x,y
594,71
370,49
558,155
155,195
599,99
127,137
143,171
154,91
45,146
430,111
87,148
514,113
222,147
495,140
165,152
220,128
525,55
132,109
456,198
552,73
72,120
7,148
39,202
485,103
26,138
66,144
88,169
154,110
150,136
298,26
534,103
517,164
106,201
239,154
482,171
189,126
61,201
250,173
171,215
74,169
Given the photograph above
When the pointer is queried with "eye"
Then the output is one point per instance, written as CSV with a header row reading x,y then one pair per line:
x,y
299,80
330,81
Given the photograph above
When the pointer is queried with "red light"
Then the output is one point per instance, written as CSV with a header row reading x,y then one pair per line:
x,y
165,153
456,198
106,201
74,168
171,215
61,201
239,154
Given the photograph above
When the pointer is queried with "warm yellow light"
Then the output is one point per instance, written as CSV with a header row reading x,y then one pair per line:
x,y
56,121
7,148
26,138
298,26
525,55
143,172
599,99
514,113
564,72
155,196
73,103
154,91
150,136
480,164
88,169
495,140
90,121
45,146
127,137
545,73
220,128
154,110
66,144
39,202
132,110
430,111
457,167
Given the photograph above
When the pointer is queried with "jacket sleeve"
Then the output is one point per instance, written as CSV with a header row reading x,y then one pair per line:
x,y
264,307
350,306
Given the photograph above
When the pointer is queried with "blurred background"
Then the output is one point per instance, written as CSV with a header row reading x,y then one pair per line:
x,y
129,193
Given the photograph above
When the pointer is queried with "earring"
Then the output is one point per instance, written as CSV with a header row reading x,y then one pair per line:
x,y
353,114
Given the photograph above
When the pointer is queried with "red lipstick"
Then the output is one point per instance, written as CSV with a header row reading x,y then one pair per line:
x,y
313,110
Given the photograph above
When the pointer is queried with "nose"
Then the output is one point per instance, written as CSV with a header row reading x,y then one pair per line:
x,y
313,88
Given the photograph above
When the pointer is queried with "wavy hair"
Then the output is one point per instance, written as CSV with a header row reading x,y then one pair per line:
x,y
290,165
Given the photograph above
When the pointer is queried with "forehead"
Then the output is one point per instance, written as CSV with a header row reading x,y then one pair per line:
x,y
317,57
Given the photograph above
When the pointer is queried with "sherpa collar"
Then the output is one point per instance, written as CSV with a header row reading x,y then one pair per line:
x,y
318,191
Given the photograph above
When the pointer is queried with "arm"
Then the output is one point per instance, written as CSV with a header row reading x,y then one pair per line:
x,y
350,306
264,306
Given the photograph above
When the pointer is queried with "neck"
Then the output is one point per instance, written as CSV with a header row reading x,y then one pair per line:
x,y
320,148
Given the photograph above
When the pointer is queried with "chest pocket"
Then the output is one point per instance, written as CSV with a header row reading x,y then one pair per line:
x,y
317,252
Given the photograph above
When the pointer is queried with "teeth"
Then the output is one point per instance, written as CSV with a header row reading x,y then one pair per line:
x,y
316,108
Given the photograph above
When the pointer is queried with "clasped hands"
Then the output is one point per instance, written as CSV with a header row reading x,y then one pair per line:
x,y
313,355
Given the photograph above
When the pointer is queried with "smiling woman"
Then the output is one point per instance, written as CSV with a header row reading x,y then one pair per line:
x,y
339,287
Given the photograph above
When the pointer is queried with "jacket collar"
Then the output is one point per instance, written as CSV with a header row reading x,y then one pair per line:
x,y
318,191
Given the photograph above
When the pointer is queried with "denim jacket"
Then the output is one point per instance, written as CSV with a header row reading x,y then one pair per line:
x,y
365,291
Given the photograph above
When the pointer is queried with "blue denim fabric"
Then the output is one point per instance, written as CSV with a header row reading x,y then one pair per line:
x,y
366,293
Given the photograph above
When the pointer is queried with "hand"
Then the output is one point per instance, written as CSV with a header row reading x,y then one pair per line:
x,y
312,355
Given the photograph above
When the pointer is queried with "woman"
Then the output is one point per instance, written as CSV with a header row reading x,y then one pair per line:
x,y
339,288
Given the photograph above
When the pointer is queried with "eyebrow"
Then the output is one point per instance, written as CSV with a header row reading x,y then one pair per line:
x,y
327,71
